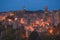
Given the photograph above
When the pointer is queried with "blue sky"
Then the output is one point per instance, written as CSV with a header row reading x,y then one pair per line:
x,y
8,5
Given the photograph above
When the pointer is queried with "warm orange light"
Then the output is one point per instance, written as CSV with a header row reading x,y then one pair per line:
x,y
29,28
36,22
2,18
42,24
47,23
22,21
26,28
34,25
9,20
48,20
11,14
50,30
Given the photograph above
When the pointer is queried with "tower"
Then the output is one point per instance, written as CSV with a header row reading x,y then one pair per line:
x,y
46,9
23,9
45,13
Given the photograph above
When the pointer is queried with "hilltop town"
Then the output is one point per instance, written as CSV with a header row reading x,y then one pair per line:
x,y
24,22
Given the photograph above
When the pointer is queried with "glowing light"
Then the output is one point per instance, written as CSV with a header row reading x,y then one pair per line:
x,y
29,28
2,18
22,20
9,20
43,24
36,22
15,19
11,14
50,30
34,25
47,23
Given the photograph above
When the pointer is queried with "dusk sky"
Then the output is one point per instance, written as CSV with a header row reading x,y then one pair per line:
x,y
12,5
